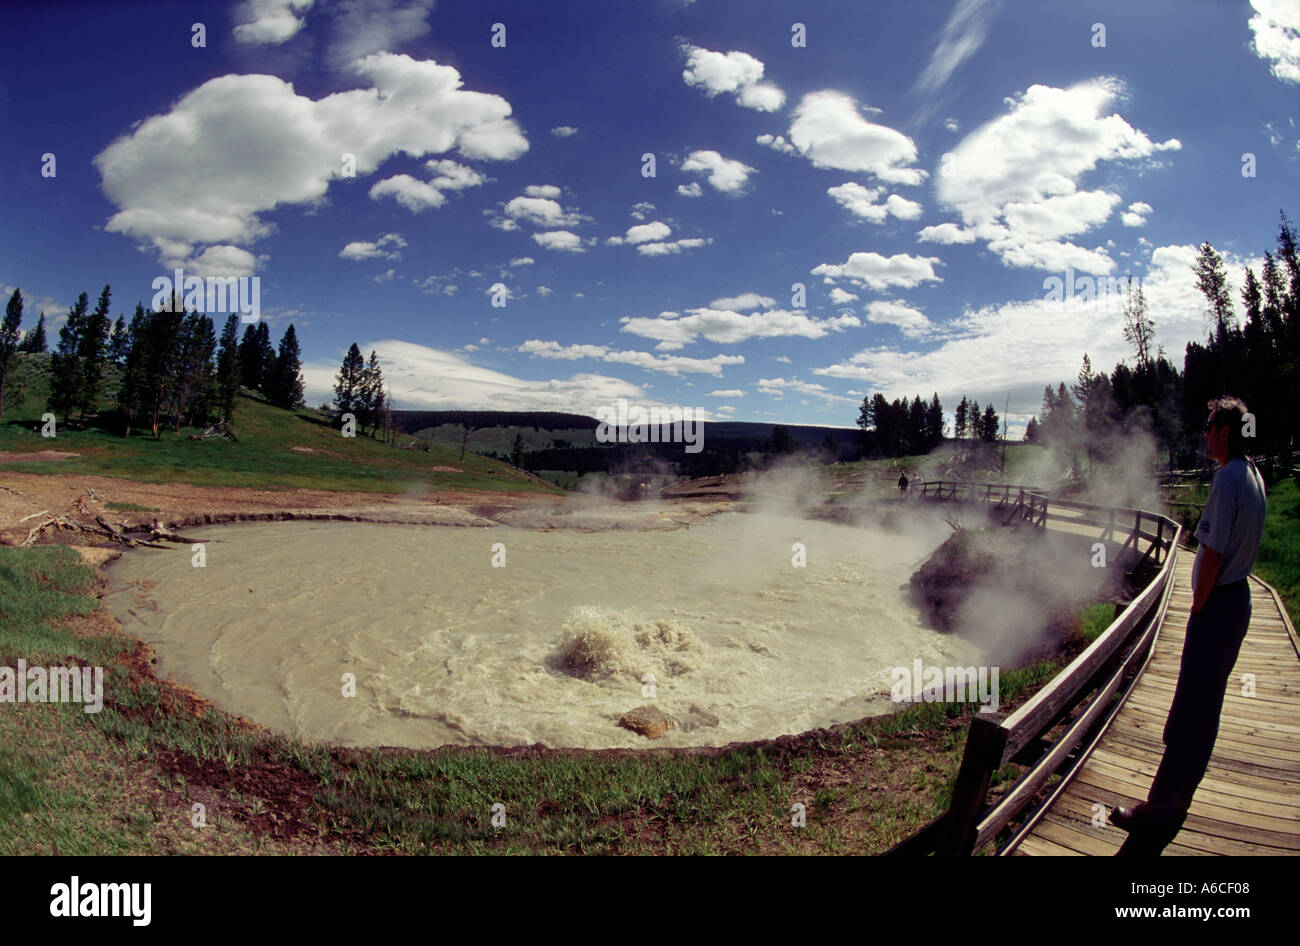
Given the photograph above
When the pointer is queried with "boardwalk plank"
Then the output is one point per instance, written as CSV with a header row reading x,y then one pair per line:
x,y
1249,801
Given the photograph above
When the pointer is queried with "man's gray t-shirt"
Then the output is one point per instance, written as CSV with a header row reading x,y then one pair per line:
x,y
1233,521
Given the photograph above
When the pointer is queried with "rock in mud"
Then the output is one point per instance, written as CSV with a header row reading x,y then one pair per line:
x,y
649,721
697,718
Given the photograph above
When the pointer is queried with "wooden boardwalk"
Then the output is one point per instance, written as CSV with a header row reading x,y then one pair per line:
x,y
1249,800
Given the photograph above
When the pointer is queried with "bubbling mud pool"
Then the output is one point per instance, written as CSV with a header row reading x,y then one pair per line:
x,y
552,647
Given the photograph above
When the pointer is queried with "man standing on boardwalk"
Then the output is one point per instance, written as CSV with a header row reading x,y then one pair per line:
x,y
1228,534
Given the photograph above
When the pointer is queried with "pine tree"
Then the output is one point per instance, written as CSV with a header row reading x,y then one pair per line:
x,y
1032,431
1139,330
917,432
1092,393
250,359
286,382
934,422
517,451
9,334
963,410
780,442
266,353
390,427
195,382
348,383
831,448
228,368
92,351
1212,281
372,392
118,342
989,429
130,395
154,366
162,365
66,378
34,341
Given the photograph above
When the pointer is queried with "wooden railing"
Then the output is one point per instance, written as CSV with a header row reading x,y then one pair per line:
x,y
1027,504
1088,685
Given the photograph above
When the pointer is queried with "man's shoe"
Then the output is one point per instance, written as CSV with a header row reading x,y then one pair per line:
x,y
1128,817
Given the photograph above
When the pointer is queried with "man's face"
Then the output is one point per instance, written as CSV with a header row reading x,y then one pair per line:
x,y
1216,441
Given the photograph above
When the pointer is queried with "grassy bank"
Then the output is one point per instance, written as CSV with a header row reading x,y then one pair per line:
x,y
276,449
127,780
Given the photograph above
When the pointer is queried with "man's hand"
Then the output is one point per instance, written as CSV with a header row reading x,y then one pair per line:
x,y
1211,565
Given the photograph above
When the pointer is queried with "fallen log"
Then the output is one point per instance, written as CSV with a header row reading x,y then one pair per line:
x,y
59,522
219,429
43,512
36,530
113,532
157,531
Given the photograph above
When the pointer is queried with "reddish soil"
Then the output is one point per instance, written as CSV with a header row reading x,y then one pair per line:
x,y
13,456
179,504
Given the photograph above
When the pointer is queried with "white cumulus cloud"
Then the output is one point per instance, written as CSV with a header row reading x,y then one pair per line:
x,y
1014,180
270,21
724,174
386,247
913,322
945,233
559,240
667,364
725,326
674,247
871,270
239,145
831,132
861,202
1275,26
1136,215
734,72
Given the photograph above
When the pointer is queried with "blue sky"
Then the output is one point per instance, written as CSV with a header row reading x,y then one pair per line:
x,y
921,168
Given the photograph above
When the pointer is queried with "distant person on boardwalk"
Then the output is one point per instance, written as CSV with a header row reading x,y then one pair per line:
x,y
902,485
1228,534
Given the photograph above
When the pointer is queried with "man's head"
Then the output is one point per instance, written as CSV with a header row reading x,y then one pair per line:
x,y
1223,439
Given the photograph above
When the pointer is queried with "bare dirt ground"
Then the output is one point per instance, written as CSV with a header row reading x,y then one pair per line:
x,y
178,505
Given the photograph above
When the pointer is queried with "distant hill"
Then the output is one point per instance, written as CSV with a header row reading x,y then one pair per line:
x,y
411,421
558,441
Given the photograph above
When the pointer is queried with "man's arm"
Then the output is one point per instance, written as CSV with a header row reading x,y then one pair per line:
x,y
1211,563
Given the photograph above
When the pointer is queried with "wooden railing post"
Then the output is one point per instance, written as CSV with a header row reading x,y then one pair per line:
x,y
985,744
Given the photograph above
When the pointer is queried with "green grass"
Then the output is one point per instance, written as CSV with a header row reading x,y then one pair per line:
x,y
128,507
276,449
1093,620
1279,552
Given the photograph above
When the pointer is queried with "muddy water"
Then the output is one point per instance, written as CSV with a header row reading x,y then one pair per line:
x,y
553,646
